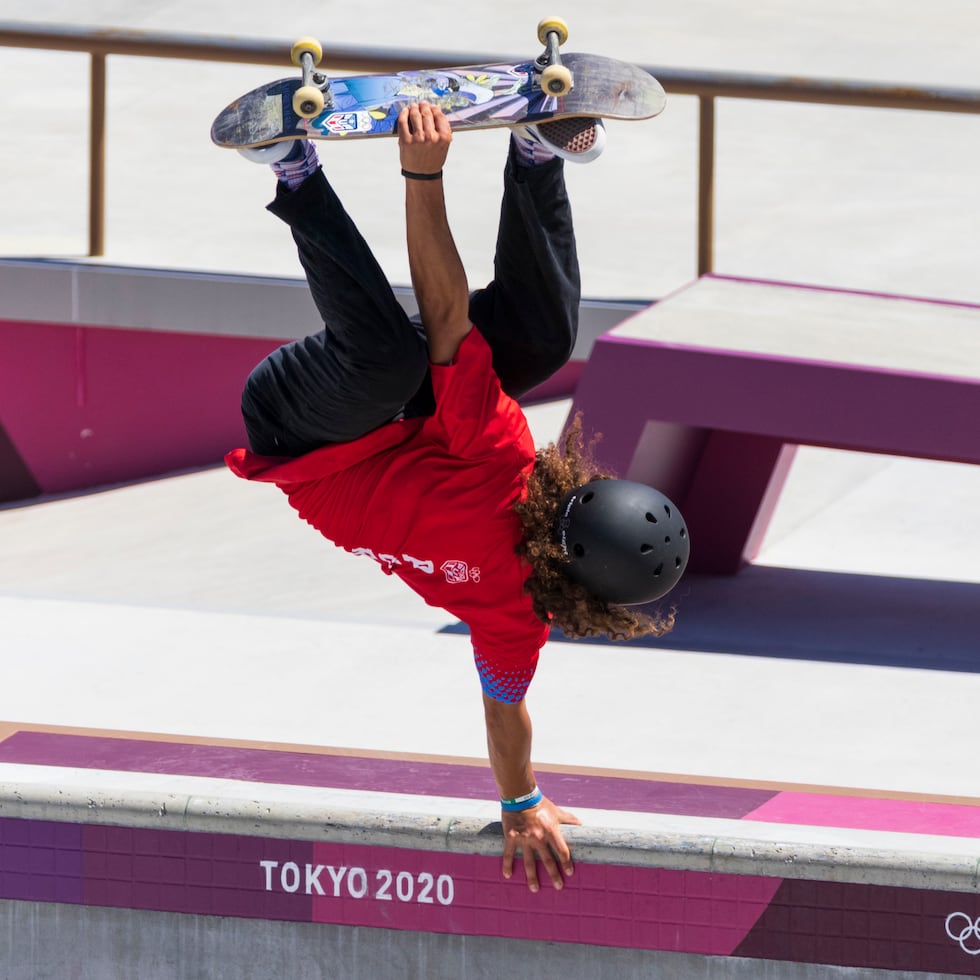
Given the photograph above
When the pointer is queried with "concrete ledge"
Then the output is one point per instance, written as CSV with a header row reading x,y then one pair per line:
x,y
442,825
257,833
181,301
92,356
718,384
48,938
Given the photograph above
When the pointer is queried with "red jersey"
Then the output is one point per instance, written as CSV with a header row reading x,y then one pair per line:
x,y
431,500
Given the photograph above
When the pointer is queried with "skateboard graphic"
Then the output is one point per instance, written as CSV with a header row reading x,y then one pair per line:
x,y
473,97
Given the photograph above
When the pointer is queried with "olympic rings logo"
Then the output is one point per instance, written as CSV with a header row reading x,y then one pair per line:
x,y
961,928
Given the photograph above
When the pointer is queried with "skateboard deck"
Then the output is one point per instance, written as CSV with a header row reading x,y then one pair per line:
x,y
473,97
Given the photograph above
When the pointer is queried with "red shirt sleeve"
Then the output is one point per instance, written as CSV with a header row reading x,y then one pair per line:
x,y
474,419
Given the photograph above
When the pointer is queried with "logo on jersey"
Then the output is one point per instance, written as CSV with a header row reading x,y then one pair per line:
x,y
458,572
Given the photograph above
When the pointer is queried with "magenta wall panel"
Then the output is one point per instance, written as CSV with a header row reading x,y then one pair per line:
x,y
88,406
855,925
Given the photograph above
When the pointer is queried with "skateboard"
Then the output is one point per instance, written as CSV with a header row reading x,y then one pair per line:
x,y
552,86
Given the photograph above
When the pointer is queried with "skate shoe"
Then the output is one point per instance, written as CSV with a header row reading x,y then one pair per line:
x,y
579,139
292,161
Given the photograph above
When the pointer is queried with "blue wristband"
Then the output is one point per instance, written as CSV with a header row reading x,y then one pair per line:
x,y
525,802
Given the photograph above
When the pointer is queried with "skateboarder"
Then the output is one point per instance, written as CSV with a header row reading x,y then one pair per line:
x,y
402,442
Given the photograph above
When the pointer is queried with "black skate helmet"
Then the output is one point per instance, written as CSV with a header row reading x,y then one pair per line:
x,y
625,542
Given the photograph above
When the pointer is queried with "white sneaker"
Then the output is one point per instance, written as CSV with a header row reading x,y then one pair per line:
x,y
292,161
579,139
270,153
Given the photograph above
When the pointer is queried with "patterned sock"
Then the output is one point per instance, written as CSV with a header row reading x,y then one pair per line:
x,y
529,150
301,163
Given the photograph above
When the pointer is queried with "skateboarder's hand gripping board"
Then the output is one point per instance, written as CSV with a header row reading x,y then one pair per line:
x,y
437,273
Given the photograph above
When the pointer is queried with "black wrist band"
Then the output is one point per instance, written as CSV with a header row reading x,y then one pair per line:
x,y
411,176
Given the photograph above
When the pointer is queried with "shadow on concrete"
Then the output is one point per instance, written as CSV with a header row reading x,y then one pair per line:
x,y
824,616
840,618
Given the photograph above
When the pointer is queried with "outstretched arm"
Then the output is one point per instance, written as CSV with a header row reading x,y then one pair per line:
x,y
535,832
440,287
437,273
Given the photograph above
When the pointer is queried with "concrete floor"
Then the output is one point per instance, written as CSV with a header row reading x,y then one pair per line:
x,y
167,606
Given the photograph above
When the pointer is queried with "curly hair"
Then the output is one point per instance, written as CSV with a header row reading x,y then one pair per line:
x,y
556,598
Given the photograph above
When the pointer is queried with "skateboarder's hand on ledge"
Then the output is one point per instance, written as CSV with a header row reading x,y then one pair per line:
x,y
531,822
537,834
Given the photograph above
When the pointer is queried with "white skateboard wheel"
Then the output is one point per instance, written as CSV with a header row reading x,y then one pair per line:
x,y
308,102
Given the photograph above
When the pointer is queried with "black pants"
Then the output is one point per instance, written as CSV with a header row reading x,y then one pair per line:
x,y
370,362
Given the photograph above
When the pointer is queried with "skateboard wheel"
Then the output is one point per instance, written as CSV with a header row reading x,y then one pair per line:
x,y
550,24
556,80
307,102
306,45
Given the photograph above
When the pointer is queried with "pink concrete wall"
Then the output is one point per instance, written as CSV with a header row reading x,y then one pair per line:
x,y
87,406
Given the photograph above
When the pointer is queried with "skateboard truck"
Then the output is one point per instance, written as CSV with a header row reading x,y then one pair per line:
x,y
555,78
309,100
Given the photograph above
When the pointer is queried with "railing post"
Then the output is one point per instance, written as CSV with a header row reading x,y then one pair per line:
x,y
706,184
96,149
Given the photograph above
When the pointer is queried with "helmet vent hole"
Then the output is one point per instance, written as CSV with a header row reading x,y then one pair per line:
x,y
677,562
588,497
667,510
683,532
667,539
578,551
658,570
645,549
651,518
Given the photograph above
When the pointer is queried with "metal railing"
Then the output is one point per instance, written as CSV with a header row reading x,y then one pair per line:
x,y
706,86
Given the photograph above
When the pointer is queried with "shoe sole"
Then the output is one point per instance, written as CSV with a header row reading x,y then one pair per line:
x,y
573,136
